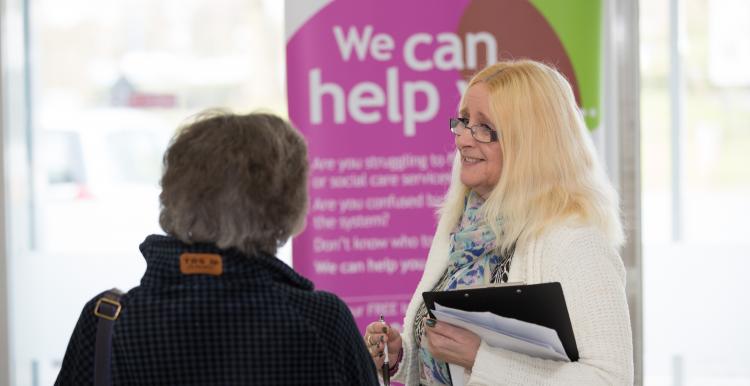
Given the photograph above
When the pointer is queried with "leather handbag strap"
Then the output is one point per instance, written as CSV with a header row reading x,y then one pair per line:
x,y
107,309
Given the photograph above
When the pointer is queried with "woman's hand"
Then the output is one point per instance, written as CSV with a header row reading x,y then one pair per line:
x,y
451,344
376,334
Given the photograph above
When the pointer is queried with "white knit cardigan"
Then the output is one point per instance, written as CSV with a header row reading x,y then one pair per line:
x,y
593,281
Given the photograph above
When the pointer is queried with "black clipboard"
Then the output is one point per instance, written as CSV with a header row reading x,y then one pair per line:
x,y
542,304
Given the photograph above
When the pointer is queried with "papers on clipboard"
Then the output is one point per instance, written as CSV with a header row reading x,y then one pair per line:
x,y
527,319
508,333
497,331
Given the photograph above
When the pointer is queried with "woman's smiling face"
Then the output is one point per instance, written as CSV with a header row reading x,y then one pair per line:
x,y
481,163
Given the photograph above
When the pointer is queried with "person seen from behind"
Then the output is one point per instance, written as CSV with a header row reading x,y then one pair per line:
x,y
215,306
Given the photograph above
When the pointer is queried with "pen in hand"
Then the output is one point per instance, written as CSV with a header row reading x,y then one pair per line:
x,y
386,368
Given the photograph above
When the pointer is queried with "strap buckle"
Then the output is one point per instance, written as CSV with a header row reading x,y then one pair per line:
x,y
107,312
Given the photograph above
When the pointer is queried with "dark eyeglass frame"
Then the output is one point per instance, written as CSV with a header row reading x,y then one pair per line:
x,y
455,122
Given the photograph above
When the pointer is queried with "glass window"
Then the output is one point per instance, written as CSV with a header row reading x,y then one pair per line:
x,y
106,85
696,191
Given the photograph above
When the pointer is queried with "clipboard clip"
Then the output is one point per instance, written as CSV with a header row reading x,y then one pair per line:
x,y
490,285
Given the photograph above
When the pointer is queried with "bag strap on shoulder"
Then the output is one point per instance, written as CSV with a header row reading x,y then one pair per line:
x,y
107,309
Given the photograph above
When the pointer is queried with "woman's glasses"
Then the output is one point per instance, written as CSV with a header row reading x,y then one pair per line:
x,y
480,131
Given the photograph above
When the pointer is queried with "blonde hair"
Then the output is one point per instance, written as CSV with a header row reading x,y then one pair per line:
x,y
550,171
239,181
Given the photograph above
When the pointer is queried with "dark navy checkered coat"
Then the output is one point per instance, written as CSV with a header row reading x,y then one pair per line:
x,y
259,323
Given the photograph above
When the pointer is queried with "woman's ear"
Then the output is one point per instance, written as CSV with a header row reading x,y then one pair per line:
x,y
300,225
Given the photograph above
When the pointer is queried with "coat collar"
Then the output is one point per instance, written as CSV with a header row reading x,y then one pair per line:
x,y
162,254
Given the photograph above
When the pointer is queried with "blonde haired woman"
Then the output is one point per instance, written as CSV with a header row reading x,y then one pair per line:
x,y
528,203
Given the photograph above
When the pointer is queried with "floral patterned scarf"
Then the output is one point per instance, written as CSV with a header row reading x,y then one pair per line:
x,y
472,260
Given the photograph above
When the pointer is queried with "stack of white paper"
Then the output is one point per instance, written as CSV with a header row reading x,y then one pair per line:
x,y
508,333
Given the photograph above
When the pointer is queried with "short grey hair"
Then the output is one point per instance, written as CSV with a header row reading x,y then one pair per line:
x,y
239,181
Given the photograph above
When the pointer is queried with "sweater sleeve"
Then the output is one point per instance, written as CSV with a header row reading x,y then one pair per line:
x,y
593,281
409,360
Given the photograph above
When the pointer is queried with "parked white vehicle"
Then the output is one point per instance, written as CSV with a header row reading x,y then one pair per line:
x,y
97,183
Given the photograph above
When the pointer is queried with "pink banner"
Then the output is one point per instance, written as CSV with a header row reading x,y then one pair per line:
x,y
374,105
371,84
